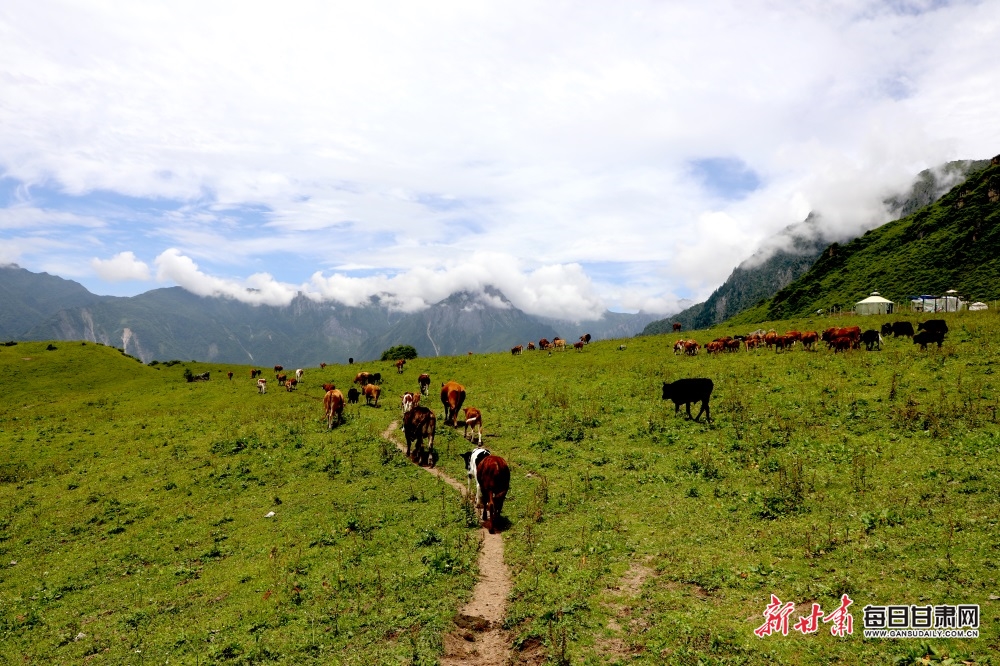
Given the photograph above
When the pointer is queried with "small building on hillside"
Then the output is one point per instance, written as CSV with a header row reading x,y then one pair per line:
x,y
874,304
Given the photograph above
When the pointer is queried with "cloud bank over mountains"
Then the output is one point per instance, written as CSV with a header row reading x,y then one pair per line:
x,y
576,157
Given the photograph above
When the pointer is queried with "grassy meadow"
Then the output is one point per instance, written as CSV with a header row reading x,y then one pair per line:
x,y
134,524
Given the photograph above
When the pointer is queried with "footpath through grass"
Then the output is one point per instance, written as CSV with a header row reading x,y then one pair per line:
x,y
135,506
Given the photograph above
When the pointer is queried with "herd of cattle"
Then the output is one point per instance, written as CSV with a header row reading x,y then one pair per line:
x,y
488,472
557,343
836,338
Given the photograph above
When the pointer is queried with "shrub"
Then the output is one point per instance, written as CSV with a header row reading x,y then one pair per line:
x,y
404,352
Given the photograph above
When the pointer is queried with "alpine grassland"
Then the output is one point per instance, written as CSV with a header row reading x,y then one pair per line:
x,y
137,522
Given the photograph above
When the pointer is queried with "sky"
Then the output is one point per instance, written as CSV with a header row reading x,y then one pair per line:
x,y
577,156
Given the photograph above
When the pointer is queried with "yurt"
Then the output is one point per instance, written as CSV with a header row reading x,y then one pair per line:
x,y
874,304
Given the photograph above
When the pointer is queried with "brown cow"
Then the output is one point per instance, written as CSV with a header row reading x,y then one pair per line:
x,y
531,346
230,375
363,378
399,365
677,326
585,338
282,378
493,477
840,343
559,343
419,423
544,343
328,387
322,365
424,381
278,368
679,346
809,339
452,397
333,406
474,420
409,401
579,345
691,347
372,392
516,350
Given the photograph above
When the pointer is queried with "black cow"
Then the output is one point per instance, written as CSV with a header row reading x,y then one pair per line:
x,y
923,338
377,378
933,325
898,328
872,339
686,391
352,396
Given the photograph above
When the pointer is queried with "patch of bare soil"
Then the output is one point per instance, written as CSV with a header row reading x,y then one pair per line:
x,y
478,638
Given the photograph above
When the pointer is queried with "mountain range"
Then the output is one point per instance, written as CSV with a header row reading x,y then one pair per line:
x,y
172,323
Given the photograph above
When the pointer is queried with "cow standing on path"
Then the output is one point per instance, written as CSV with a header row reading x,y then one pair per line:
x,y
452,397
419,423
474,420
424,381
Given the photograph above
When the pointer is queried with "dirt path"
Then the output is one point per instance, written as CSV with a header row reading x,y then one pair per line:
x,y
478,638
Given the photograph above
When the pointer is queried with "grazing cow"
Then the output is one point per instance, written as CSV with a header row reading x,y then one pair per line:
x,y
299,373
424,381
328,387
409,401
809,339
622,347
585,338
282,378
714,347
333,406
677,326
852,332
770,338
579,345
254,374
933,325
452,397
289,386
691,347
514,351
840,343
686,391
278,368
472,460
474,420
731,345
372,393
352,396
872,339
923,338
559,343
543,344
363,378
493,478
679,346
419,423
898,329
376,378
399,366
784,342
230,375
531,346
261,385
322,365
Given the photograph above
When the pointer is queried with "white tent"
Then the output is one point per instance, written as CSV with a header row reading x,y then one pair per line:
x,y
874,304
978,305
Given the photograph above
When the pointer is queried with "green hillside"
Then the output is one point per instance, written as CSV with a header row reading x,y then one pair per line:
x,y
951,244
135,526
799,246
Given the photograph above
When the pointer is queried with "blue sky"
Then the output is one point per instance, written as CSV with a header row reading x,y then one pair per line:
x,y
578,157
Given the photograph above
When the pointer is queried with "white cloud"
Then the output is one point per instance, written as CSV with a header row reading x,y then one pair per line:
x,y
412,138
121,267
